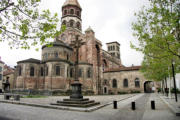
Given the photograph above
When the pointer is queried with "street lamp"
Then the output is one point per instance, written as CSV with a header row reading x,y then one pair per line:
x,y
169,82
173,63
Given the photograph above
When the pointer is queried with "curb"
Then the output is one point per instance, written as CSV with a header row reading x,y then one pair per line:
x,y
64,108
174,110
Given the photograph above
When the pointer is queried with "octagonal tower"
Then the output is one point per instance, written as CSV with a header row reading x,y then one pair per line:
x,y
71,14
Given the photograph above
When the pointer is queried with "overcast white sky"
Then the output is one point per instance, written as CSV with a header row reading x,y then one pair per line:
x,y
110,19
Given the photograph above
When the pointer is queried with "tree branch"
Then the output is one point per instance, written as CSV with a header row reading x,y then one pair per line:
x,y
9,5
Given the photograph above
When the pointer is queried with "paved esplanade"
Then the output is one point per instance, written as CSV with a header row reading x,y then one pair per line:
x,y
143,111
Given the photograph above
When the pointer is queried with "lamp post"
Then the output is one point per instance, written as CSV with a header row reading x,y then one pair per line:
x,y
76,86
174,81
169,83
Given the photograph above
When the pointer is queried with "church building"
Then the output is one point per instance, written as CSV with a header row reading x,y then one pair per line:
x,y
100,71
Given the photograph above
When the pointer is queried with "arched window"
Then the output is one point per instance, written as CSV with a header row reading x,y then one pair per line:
x,y
58,71
80,72
78,25
89,73
72,11
32,71
125,83
67,56
71,72
56,54
78,13
19,70
71,23
64,22
104,64
42,71
137,82
46,70
114,83
65,12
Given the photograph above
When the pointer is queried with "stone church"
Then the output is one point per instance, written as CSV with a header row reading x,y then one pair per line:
x,y
99,71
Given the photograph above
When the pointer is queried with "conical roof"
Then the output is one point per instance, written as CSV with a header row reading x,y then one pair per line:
x,y
72,2
89,29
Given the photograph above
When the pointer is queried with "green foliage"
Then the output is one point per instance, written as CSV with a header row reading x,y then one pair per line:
x,y
157,30
173,90
22,23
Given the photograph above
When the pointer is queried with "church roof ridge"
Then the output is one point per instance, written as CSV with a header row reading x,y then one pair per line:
x,y
89,29
30,60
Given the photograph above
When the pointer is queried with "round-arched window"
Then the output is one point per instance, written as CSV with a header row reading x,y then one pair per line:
x,y
114,83
125,82
137,82
72,11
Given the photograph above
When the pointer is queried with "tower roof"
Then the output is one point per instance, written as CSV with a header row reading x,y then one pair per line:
x,y
72,2
89,29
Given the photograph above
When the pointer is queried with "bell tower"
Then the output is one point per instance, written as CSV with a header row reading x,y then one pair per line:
x,y
71,14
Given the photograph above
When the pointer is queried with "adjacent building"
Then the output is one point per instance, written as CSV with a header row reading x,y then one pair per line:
x,y
8,78
1,74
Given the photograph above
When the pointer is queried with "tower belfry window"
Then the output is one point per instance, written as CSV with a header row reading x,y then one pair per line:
x,y
65,12
71,23
71,11
78,13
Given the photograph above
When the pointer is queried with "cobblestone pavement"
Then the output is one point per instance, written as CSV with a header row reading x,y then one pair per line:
x,y
124,112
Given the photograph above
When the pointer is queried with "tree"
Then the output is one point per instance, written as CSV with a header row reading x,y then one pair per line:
x,y
22,23
157,29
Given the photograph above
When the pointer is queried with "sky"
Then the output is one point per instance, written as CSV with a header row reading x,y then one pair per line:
x,y
110,19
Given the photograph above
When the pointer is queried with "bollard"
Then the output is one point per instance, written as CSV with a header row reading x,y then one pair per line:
x,y
115,104
133,106
153,105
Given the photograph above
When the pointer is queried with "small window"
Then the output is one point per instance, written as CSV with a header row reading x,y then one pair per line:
x,y
65,12
80,73
125,83
67,57
114,83
64,22
137,83
46,71
58,70
72,11
0,76
89,72
78,13
71,72
71,23
45,56
19,70
56,55
0,68
78,25
32,71
42,71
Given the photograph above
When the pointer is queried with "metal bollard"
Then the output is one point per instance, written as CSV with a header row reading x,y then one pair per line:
x,y
153,104
115,104
133,106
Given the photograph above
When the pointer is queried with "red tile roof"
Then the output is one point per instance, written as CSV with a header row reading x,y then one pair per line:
x,y
8,70
123,69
